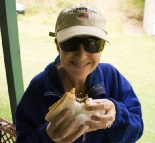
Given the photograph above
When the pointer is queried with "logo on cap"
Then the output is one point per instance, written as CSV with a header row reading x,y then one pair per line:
x,y
82,12
82,15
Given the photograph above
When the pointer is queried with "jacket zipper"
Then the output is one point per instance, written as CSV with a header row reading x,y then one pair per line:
x,y
84,138
52,93
93,87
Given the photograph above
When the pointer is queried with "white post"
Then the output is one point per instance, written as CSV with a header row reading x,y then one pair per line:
x,y
154,25
149,17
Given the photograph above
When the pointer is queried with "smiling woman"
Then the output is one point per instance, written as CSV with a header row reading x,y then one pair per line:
x,y
80,36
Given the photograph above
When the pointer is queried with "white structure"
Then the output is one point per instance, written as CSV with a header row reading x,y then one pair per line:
x,y
149,17
154,26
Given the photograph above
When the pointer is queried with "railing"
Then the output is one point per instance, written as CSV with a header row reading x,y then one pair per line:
x,y
7,132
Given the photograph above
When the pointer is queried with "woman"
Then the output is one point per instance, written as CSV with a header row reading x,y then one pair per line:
x,y
80,38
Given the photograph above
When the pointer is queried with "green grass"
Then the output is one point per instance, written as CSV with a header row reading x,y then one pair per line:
x,y
133,56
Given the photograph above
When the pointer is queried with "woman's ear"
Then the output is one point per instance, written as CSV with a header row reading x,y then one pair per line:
x,y
57,45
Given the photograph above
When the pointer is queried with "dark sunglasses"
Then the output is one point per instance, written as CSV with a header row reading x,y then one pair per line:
x,y
91,44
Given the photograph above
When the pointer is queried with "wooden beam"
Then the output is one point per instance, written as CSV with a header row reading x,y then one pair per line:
x,y
10,43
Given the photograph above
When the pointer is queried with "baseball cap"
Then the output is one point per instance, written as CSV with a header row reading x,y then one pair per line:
x,y
80,20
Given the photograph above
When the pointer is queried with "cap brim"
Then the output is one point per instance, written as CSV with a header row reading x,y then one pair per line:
x,y
73,31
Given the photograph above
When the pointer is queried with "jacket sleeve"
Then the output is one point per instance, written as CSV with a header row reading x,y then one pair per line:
x,y
128,125
30,113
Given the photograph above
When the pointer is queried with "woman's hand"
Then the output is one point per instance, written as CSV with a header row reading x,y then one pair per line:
x,y
101,121
64,136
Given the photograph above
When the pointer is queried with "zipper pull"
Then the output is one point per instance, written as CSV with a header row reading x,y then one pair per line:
x,y
84,137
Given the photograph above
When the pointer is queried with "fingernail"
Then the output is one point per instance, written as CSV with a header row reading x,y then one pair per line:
x,y
74,120
93,117
87,124
87,108
67,111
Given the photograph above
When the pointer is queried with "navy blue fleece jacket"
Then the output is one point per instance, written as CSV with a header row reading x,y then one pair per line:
x,y
46,88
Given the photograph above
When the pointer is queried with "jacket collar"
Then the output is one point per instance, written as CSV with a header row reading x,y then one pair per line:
x,y
53,84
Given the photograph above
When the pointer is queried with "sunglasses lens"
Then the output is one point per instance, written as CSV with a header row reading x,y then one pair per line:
x,y
94,45
91,45
67,46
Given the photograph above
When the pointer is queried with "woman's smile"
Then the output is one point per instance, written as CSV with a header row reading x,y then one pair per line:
x,y
80,65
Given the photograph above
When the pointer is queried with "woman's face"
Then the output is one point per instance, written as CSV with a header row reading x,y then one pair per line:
x,y
79,64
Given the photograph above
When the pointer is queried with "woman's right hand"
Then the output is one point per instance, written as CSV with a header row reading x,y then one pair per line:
x,y
64,136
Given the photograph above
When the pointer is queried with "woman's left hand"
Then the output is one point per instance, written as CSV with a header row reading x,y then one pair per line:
x,y
101,121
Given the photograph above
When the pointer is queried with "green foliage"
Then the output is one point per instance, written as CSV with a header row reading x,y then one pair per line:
x,y
62,3
133,9
138,4
33,8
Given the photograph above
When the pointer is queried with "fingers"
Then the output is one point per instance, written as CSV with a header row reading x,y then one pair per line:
x,y
71,138
103,118
101,121
110,116
64,135
100,104
59,118
95,125
68,129
61,135
53,127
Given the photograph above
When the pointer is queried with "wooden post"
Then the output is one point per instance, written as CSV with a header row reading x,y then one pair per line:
x,y
10,43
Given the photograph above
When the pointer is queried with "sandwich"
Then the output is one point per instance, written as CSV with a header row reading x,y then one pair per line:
x,y
76,105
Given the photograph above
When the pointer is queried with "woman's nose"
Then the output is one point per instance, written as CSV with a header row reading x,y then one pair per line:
x,y
81,51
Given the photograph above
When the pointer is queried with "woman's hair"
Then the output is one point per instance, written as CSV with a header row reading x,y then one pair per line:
x,y
58,49
57,45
